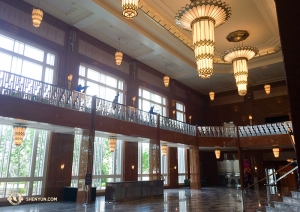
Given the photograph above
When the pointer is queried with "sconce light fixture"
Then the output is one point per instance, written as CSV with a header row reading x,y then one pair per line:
x,y
175,167
62,166
212,95
133,100
132,167
174,112
190,118
276,152
235,108
70,77
250,118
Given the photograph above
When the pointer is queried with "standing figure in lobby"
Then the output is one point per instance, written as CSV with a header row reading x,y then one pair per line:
x,y
248,179
115,101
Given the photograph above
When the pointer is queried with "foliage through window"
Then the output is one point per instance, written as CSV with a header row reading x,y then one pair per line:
x,y
22,167
143,161
107,165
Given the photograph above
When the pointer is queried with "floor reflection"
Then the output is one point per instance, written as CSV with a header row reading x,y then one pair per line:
x,y
182,199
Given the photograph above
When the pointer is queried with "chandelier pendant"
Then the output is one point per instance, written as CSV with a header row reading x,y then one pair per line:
x,y
202,17
130,8
37,17
239,57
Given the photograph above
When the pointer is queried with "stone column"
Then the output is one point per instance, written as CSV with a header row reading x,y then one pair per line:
x,y
86,159
289,28
195,181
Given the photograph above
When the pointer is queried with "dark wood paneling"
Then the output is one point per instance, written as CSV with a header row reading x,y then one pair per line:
x,y
130,159
209,167
60,152
267,140
173,167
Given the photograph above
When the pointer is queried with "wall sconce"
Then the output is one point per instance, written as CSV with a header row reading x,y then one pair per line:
x,y
276,152
235,108
133,100
70,77
62,166
175,167
250,118
190,118
255,168
173,103
217,153
174,112
132,167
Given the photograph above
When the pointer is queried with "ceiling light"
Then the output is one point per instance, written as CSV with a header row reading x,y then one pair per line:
x,y
164,150
239,57
112,143
37,17
19,133
118,56
218,153
212,95
166,80
130,8
201,17
276,152
267,88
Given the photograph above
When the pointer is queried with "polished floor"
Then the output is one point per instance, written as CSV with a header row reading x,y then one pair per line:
x,y
184,200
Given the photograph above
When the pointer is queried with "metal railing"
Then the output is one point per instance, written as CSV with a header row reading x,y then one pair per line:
x,y
26,88
268,185
265,129
216,131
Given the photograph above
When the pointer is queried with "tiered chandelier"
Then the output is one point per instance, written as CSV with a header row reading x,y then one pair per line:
x,y
112,143
37,17
267,88
239,57
130,8
276,152
118,56
19,133
166,79
212,95
217,153
164,150
201,17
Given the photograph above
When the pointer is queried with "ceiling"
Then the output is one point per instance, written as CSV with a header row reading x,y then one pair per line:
x,y
154,39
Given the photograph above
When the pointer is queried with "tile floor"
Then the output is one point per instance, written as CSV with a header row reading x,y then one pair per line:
x,y
207,199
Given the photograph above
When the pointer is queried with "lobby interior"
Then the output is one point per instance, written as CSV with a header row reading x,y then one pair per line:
x,y
68,133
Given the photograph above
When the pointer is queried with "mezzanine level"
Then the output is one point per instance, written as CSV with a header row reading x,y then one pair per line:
x,y
29,99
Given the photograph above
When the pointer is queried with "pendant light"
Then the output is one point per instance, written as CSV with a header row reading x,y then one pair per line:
x,y
119,56
19,133
37,16
166,78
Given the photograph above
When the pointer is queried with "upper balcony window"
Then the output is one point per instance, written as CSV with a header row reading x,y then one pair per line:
x,y
148,99
101,84
180,111
26,59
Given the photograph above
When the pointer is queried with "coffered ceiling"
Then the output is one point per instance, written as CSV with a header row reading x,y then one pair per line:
x,y
154,38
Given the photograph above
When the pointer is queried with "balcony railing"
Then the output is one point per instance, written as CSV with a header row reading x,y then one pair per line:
x,y
265,129
34,90
216,131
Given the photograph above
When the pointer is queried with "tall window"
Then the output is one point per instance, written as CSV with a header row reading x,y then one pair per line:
x,y
26,59
180,112
101,84
22,168
181,164
143,161
164,167
107,165
148,99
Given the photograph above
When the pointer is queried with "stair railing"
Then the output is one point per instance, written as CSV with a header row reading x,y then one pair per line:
x,y
268,185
